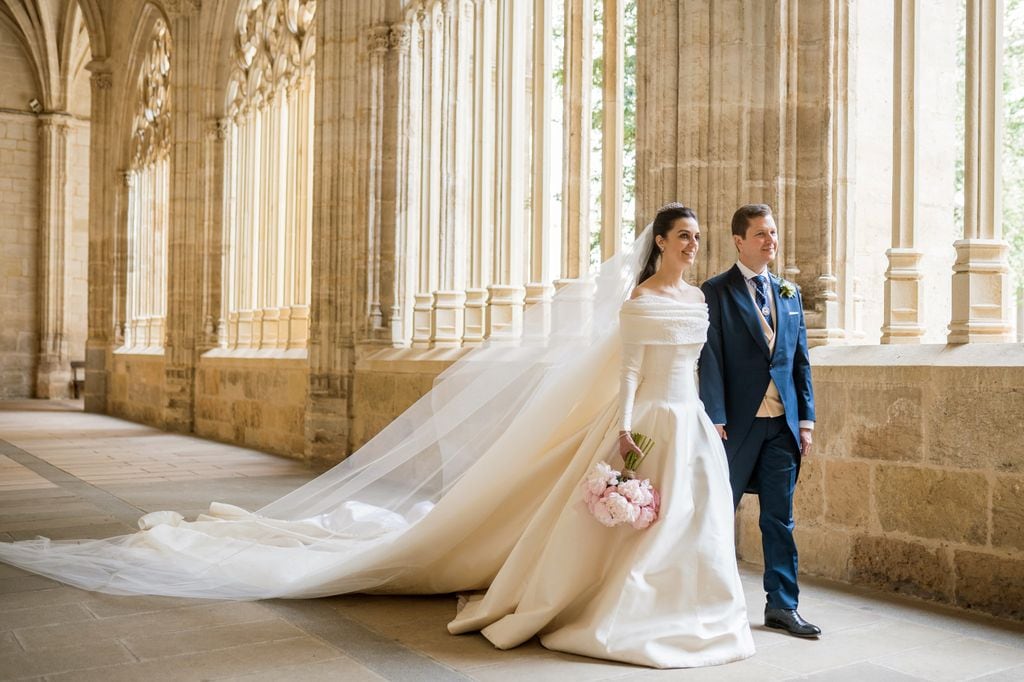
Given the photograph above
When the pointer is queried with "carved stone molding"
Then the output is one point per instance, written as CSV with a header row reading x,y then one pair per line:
x,y
399,38
379,38
182,8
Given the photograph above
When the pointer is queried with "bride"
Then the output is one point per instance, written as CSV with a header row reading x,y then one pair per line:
x,y
476,488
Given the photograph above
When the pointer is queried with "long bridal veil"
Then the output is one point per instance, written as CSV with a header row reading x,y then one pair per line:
x,y
334,534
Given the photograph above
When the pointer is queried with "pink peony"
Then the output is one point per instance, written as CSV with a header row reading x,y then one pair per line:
x,y
620,508
637,491
656,501
602,513
645,518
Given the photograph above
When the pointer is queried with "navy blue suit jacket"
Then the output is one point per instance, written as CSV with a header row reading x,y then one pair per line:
x,y
735,364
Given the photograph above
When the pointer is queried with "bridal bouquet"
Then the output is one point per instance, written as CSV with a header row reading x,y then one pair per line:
x,y
615,497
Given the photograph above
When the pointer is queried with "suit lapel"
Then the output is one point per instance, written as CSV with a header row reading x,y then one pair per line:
x,y
741,295
780,311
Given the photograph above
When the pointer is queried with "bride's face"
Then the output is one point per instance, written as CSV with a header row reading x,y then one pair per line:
x,y
681,243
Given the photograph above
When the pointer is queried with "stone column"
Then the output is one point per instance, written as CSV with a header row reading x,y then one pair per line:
x,y
184,322
340,215
507,295
903,301
612,132
576,178
543,157
102,219
53,374
539,290
981,290
379,39
482,206
455,145
401,132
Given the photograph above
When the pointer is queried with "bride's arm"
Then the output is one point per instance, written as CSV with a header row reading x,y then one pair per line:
x,y
629,381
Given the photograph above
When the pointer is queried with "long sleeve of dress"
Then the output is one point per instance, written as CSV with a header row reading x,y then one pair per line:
x,y
629,381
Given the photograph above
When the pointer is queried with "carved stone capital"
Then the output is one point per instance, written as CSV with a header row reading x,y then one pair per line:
x,y
379,38
399,38
219,129
101,80
182,8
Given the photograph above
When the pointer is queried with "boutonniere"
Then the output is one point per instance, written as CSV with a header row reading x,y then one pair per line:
x,y
787,288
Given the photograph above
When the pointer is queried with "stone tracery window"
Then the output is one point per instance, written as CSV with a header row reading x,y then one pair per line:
x,y
148,181
268,190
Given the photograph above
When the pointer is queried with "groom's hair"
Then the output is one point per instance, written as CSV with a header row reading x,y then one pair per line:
x,y
741,218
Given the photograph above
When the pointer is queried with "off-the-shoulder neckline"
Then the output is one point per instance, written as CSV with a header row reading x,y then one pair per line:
x,y
667,298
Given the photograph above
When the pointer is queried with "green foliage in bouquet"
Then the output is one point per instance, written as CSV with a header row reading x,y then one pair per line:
x,y
633,459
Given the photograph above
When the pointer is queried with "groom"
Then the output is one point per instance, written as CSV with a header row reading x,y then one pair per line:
x,y
755,382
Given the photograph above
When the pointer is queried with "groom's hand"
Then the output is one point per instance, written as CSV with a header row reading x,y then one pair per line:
x,y
805,441
721,431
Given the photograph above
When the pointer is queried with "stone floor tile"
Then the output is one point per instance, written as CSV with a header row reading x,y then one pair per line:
x,y
461,652
107,605
48,526
210,665
69,659
336,670
551,667
9,645
44,615
25,583
379,611
146,646
1015,674
175,620
861,672
807,656
77,532
741,671
8,571
957,659
38,598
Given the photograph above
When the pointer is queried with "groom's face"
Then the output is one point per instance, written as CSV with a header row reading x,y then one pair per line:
x,y
757,249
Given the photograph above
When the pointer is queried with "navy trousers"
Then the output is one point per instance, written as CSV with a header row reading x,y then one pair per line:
x,y
771,459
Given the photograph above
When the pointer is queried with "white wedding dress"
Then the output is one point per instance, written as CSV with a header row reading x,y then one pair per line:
x,y
477,488
668,596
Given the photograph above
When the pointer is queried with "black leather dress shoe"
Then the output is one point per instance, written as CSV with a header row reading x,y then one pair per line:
x,y
790,621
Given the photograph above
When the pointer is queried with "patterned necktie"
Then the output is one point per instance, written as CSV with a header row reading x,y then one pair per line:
x,y
761,297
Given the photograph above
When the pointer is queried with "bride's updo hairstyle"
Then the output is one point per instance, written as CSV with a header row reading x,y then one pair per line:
x,y
663,222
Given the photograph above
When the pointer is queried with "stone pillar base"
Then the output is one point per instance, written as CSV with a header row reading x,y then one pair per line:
x,y
505,317
902,322
422,320
538,315
53,379
449,318
981,292
476,316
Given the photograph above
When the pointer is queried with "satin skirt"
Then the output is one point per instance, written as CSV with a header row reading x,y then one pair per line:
x,y
667,597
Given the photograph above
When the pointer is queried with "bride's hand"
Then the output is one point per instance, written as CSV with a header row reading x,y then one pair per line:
x,y
626,445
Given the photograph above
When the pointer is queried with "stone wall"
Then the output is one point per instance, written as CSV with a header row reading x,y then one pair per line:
x,y
255,402
387,382
917,484
19,206
137,388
